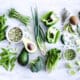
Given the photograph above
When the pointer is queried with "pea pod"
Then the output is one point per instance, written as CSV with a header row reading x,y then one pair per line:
x,y
2,27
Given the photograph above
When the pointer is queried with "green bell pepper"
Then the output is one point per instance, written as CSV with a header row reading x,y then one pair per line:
x,y
49,18
52,35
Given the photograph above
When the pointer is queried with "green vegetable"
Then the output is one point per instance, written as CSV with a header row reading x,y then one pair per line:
x,y
72,72
7,59
39,33
68,27
14,14
62,39
69,54
23,58
37,64
53,35
49,18
78,50
77,63
68,65
52,58
2,27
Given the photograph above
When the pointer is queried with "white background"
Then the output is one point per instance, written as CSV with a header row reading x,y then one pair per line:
x,y
24,6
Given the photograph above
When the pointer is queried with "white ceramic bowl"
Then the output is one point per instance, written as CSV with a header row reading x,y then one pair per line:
x,y
7,36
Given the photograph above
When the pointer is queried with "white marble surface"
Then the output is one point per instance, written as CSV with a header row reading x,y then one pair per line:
x,y
24,6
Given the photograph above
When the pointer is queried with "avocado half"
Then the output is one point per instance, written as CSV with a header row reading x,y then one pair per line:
x,y
29,45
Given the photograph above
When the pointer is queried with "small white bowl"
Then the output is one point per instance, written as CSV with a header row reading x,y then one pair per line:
x,y
7,36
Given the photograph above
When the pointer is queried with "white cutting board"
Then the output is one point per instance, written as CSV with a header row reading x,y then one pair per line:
x,y
24,6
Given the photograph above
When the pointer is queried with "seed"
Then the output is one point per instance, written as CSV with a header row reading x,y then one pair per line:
x,y
74,20
30,46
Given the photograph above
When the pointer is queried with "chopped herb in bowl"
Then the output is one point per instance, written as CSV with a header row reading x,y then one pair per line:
x,y
14,34
69,54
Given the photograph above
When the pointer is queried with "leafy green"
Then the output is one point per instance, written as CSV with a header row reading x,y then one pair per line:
x,y
7,59
39,33
52,57
14,14
2,27
37,64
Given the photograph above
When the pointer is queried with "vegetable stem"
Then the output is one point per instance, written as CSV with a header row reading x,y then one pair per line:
x,y
14,14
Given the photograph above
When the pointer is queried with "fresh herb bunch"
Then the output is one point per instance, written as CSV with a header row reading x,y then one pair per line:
x,y
15,14
2,27
52,57
39,33
7,59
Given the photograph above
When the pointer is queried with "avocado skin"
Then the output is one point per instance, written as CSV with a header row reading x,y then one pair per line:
x,y
23,58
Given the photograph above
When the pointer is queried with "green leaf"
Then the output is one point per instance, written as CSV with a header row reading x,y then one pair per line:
x,y
52,58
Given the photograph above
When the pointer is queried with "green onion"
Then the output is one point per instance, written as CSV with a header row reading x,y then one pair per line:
x,y
39,33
